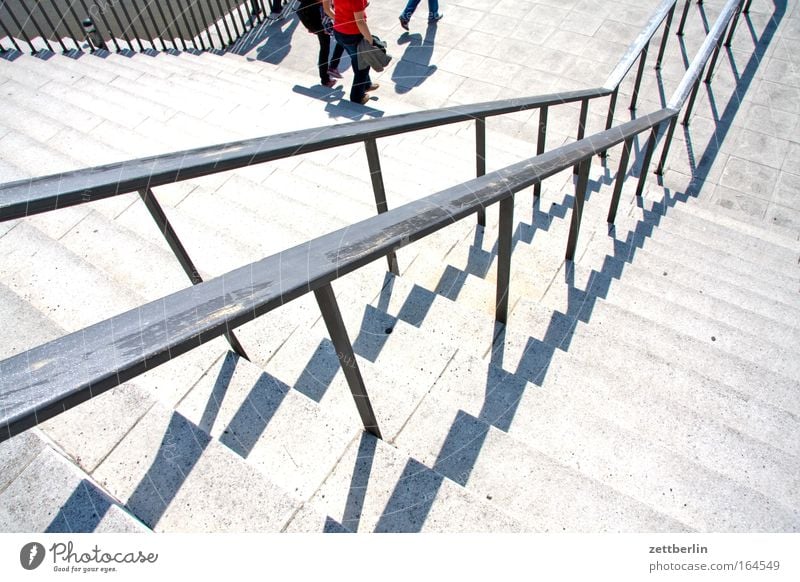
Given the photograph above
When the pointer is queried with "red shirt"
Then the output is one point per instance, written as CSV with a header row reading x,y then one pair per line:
x,y
343,10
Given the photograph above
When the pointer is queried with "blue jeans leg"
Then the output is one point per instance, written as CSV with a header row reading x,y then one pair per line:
x,y
433,8
409,10
361,80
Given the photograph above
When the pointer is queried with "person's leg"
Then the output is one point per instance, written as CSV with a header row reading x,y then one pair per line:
x,y
361,80
433,10
322,60
338,51
405,16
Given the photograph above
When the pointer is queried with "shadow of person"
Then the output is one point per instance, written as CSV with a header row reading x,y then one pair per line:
x,y
414,68
278,41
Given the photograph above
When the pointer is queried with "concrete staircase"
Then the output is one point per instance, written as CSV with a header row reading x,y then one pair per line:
x,y
651,385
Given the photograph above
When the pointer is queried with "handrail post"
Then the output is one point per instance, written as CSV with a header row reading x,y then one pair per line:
x,y
344,351
22,32
504,247
679,32
665,150
582,125
612,105
480,159
541,138
665,36
577,208
620,181
648,156
733,24
149,199
690,104
11,38
713,62
747,7
639,73
374,162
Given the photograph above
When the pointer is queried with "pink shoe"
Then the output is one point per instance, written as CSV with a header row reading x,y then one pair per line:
x,y
334,73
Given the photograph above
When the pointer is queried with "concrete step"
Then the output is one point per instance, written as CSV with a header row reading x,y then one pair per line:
x,y
750,248
279,431
71,293
727,404
608,321
67,499
592,434
759,237
174,477
375,487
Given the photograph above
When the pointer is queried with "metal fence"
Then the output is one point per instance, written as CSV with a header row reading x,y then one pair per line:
x,y
126,25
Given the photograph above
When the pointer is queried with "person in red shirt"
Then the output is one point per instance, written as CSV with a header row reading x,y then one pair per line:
x,y
349,27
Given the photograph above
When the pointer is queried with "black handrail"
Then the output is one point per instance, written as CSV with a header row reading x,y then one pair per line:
x,y
44,381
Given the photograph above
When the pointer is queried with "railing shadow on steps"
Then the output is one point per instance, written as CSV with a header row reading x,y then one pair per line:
x,y
504,388
129,25
511,180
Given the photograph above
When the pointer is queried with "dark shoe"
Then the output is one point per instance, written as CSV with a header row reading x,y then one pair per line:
x,y
435,17
404,23
373,87
334,73
331,83
364,100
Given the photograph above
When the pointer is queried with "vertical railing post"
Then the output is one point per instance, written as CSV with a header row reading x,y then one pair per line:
x,y
747,7
577,208
157,213
480,159
77,23
648,155
53,28
143,23
22,32
665,150
111,34
224,19
504,247
627,146
344,351
211,22
39,30
713,62
690,103
639,73
541,138
612,105
229,12
176,23
167,22
123,28
197,28
129,26
375,175
734,22
679,32
11,38
582,125
665,36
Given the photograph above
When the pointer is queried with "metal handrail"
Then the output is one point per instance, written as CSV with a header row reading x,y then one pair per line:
x,y
49,379
101,356
32,196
